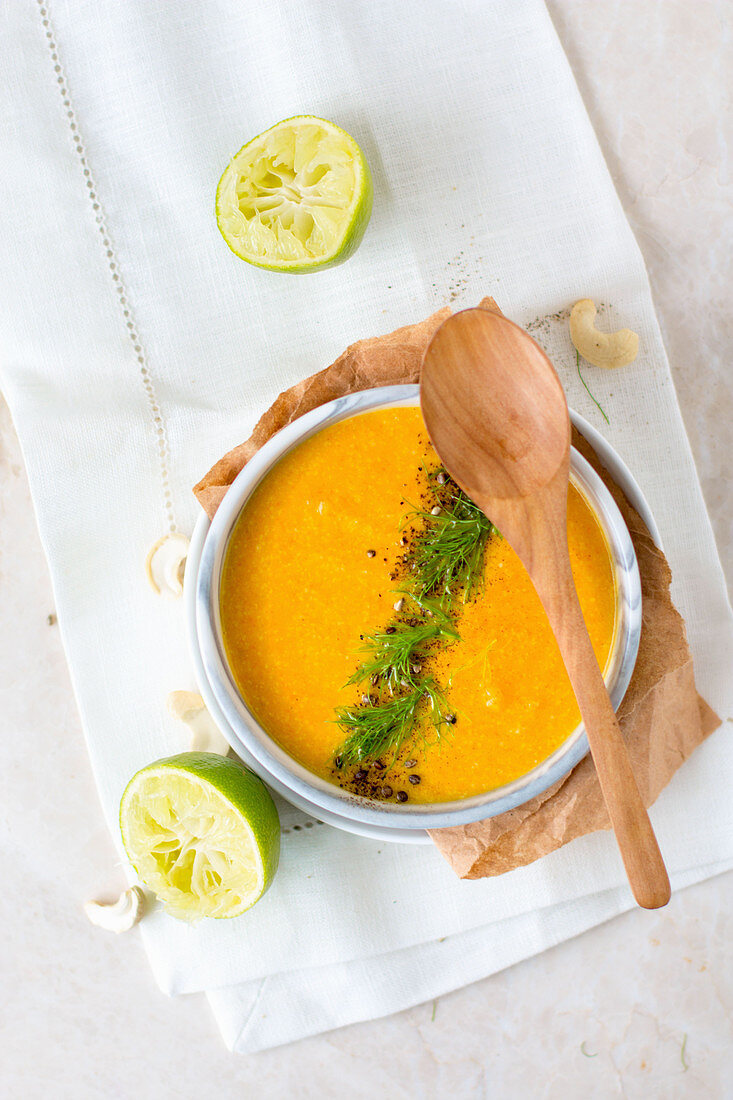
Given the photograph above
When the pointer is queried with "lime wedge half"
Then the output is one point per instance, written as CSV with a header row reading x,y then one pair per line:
x,y
296,198
202,832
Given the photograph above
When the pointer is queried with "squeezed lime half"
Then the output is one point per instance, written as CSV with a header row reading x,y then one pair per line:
x,y
296,198
203,834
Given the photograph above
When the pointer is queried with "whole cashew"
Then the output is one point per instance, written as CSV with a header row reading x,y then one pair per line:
x,y
602,349
120,915
165,564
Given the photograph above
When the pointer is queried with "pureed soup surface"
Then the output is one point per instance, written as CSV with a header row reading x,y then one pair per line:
x,y
301,592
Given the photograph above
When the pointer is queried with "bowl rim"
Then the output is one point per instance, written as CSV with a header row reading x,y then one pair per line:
x,y
273,762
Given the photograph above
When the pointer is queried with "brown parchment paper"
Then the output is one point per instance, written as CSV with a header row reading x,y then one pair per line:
x,y
662,716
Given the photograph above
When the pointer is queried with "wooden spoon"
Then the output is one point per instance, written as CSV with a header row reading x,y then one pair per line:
x,y
497,416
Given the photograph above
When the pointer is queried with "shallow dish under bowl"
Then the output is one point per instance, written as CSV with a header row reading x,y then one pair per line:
x,y
291,779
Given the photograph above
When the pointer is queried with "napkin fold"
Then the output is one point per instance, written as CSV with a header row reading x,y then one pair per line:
x,y
285,1007
136,348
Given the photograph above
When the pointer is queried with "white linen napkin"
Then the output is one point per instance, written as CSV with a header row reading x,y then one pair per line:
x,y
137,349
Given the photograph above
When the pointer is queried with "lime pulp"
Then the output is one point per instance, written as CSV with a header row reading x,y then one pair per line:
x,y
296,198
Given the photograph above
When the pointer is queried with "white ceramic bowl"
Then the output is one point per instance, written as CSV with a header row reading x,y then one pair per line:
x,y
314,795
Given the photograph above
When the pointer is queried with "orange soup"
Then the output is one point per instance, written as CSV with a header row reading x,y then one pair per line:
x,y
384,634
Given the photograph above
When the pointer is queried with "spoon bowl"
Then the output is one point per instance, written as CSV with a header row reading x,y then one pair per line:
x,y
514,432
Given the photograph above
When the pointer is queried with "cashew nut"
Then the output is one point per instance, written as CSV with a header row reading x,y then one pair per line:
x,y
602,349
190,708
166,563
120,915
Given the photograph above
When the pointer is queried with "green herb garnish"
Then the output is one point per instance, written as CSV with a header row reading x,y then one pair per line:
x,y
375,728
580,376
446,559
395,655
449,551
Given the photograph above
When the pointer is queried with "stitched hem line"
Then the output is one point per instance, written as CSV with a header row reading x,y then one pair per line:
x,y
162,447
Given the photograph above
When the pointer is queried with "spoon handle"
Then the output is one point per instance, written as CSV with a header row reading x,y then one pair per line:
x,y
640,852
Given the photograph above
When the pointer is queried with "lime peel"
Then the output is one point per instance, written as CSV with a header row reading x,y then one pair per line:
x,y
296,198
203,834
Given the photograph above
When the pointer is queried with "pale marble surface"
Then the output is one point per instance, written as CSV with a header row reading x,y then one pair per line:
x,y
604,1015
